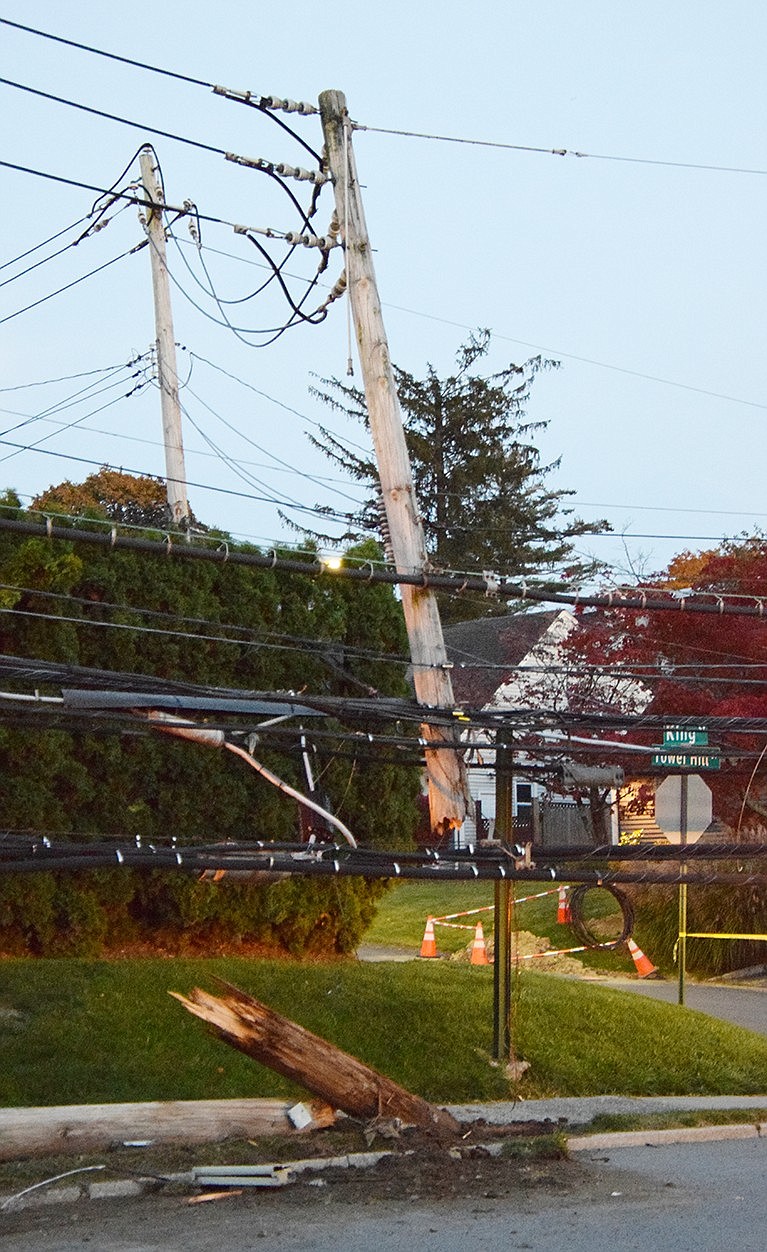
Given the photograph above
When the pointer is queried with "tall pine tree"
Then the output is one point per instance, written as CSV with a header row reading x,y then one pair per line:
x,y
485,497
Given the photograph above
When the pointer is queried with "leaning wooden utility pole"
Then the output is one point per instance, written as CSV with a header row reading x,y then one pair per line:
x,y
167,375
448,793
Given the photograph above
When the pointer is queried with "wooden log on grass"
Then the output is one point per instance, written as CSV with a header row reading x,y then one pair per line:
x,y
341,1080
95,1127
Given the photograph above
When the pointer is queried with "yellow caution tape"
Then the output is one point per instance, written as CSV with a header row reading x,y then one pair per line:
x,y
697,934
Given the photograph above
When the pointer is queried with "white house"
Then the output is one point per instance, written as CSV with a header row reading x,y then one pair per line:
x,y
518,661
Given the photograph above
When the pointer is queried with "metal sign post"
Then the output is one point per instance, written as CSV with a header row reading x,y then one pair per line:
x,y
687,793
681,951
504,829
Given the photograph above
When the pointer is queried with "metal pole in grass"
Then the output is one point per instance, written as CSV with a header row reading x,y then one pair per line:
x,y
504,829
682,939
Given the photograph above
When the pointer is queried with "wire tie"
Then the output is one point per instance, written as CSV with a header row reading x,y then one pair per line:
x,y
113,537
524,589
169,544
462,587
720,604
178,859
369,565
224,547
644,599
49,527
119,856
760,606
272,553
396,867
336,867
475,871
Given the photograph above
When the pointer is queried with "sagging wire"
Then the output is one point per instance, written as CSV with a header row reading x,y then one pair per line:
x,y
171,725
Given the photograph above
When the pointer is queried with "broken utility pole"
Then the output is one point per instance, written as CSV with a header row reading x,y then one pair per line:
x,y
339,1079
448,793
167,375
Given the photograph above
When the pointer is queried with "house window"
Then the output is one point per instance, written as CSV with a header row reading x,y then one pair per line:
x,y
523,801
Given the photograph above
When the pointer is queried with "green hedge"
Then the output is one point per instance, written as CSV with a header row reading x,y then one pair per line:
x,y
102,911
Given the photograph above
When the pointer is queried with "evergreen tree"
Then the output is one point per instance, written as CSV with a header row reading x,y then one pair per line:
x,y
483,493
215,625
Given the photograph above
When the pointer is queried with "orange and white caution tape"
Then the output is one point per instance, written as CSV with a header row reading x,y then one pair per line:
x,y
486,908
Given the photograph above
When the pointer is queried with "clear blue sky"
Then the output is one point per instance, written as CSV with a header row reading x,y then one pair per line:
x,y
647,281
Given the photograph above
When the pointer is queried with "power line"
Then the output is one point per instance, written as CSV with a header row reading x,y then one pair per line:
x,y
112,56
68,287
247,637
570,356
59,252
113,117
559,152
263,103
708,603
79,397
583,360
65,378
553,352
32,447
270,168
225,491
51,239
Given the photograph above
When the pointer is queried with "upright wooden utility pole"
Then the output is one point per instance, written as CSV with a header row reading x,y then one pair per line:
x,y
448,794
167,376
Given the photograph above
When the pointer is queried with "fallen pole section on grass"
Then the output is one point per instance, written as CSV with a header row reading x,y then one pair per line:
x,y
341,1080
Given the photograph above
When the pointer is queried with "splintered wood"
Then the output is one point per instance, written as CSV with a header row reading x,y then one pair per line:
x,y
336,1077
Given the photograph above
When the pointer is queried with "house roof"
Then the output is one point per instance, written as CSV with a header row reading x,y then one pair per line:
x,y
489,642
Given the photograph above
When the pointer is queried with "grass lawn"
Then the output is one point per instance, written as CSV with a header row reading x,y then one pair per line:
x,y
75,1032
403,911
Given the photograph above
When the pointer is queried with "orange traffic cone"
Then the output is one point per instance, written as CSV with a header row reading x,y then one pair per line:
x,y
429,945
478,949
563,908
644,965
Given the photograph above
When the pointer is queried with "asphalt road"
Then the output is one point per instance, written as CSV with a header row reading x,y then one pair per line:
x,y
743,1006
706,1197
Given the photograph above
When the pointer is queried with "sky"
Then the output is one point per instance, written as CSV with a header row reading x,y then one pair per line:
x,y
639,267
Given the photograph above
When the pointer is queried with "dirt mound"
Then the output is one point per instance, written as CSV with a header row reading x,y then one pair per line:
x,y
528,950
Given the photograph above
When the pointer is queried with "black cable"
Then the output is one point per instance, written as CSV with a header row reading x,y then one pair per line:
x,y
112,56
259,104
113,117
36,303
208,290
66,378
278,460
79,397
225,491
263,168
51,239
578,921
368,574
33,447
37,264
156,69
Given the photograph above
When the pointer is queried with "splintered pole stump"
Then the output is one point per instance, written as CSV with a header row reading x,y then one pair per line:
x,y
317,1065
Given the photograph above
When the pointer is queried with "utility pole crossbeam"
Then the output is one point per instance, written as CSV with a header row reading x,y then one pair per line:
x,y
448,792
167,374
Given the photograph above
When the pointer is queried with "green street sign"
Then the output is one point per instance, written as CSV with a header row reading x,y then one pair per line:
x,y
685,760
684,737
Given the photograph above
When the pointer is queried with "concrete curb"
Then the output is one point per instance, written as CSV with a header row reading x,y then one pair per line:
x,y
657,1138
